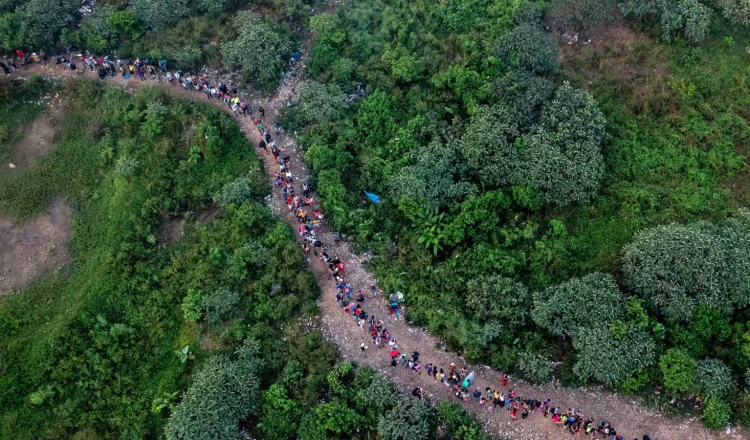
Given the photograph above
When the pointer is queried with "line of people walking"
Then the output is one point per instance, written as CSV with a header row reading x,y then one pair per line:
x,y
459,381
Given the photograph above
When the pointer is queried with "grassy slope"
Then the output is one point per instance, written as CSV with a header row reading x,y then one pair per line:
x,y
52,339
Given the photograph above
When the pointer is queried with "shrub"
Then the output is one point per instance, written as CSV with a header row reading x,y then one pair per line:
x,y
235,192
676,267
736,11
192,305
678,370
320,103
159,13
408,420
487,146
224,392
713,378
716,414
380,395
220,306
688,16
534,367
558,309
528,47
499,299
630,353
260,52
126,166
563,160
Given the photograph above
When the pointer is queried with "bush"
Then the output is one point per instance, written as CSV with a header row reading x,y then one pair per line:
x,y
676,267
192,305
716,414
223,393
320,103
534,367
408,420
235,193
563,159
498,299
558,309
487,146
528,47
220,306
713,378
678,370
736,11
634,351
458,424
260,52
159,13
688,16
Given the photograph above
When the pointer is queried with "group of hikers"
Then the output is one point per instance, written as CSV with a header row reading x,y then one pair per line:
x,y
459,381
142,69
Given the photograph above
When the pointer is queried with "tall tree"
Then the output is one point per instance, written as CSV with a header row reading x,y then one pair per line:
x,y
159,13
224,392
260,52
675,267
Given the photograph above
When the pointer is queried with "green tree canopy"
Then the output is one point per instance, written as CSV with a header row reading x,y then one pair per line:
x,y
158,13
735,234
689,17
260,52
487,146
281,414
675,267
736,11
578,304
498,299
713,378
408,420
380,395
437,176
235,192
609,356
603,326
35,24
223,392
563,160
320,103
678,370
528,47
525,94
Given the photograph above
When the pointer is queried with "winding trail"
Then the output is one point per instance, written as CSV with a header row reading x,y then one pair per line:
x,y
629,418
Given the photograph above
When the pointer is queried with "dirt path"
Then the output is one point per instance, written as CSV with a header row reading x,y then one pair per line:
x,y
629,418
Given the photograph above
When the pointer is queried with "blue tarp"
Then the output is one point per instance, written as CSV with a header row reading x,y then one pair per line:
x,y
374,197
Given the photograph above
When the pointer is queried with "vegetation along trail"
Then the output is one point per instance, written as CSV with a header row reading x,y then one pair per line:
x,y
629,417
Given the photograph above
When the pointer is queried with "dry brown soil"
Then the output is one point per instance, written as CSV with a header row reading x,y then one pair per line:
x,y
35,246
38,139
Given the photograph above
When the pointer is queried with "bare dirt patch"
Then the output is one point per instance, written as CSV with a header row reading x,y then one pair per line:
x,y
632,65
38,138
33,247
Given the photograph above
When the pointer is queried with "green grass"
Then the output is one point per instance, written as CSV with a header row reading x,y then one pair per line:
x,y
95,345
676,149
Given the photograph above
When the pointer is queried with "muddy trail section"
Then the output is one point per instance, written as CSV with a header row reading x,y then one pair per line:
x,y
630,418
